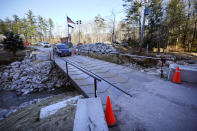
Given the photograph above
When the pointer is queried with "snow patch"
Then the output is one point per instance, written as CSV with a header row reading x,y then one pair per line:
x,y
52,109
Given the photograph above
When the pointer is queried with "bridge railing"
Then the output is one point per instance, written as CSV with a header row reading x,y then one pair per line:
x,y
96,78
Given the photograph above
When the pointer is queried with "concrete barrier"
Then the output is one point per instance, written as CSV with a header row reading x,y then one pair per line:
x,y
188,73
90,116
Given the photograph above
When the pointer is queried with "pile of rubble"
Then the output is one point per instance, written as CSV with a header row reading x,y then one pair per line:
x,y
98,48
30,76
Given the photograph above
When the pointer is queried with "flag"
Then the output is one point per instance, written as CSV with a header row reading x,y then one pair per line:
x,y
70,26
69,20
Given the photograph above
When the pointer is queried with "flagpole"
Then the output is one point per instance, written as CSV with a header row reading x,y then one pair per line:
x,y
67,27
68,34
69,21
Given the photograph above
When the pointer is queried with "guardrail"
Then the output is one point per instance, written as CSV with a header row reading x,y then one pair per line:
x,y
96,78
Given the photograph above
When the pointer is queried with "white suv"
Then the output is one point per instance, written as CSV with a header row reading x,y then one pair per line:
x,y
46,44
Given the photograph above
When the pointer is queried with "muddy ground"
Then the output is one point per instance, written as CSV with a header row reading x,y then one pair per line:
x,y
28,119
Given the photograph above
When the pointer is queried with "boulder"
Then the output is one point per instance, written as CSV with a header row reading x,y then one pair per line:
x,y
25,91
27,86
22,79
13,87
18,82
16,64
16,76
5,75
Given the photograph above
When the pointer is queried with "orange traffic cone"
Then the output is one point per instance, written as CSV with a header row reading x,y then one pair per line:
x,y
177,78
109,115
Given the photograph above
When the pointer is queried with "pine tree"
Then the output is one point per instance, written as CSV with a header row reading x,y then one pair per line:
x,y
51,26
42,28
134,13
32,25
25,29
194,27
175,17
100,24
155,23
16,24
3,27
8,24
13,42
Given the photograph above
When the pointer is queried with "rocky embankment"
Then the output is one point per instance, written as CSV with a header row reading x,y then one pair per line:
x,y
29,76
97,47
24,81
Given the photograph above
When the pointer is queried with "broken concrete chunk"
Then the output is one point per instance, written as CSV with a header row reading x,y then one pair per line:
x,y
90,116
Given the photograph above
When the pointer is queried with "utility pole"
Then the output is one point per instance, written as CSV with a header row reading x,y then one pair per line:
x,y
146,12
79,23
68,35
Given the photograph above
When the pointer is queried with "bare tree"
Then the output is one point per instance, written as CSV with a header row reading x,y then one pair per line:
x,y
112,21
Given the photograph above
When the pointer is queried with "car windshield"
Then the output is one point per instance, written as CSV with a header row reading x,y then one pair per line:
x,y
62,46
